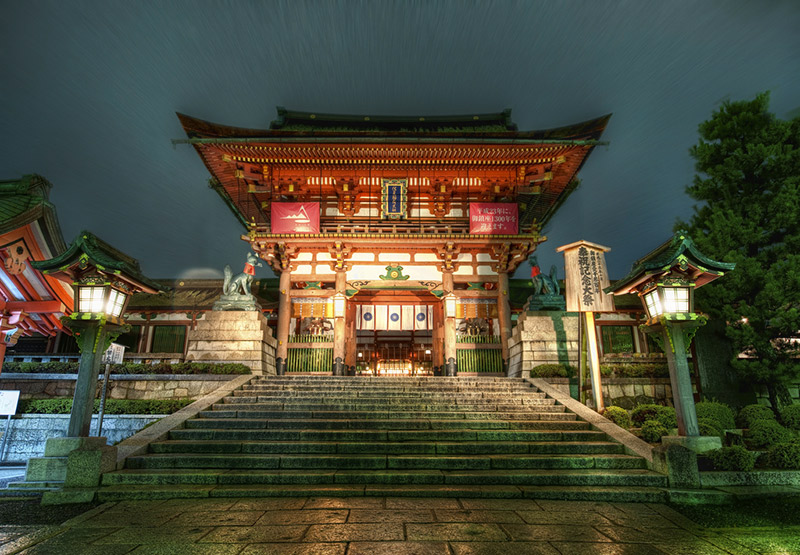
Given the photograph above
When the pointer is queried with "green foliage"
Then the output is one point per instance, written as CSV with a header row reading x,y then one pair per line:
x,y
113,406
652,431
785,456
790,416
709,427
747,186
635,370
735,457
766,433
753,413
666,415
618,416
720,413
183,368
552,371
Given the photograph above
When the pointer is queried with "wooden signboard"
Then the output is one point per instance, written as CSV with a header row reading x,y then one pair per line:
x,y
586,276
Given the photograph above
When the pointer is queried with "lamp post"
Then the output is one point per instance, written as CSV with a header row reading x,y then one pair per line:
x,y
665,281
103,279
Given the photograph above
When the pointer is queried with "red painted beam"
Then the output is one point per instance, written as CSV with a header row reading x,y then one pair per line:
x,y
32,307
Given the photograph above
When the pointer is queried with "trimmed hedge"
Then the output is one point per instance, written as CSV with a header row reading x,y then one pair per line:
x,y
643,370
790,416
652,431
721,413
183,368
710,427
666,415
766,433
751,413
735,457
785,456
113,406
618,416
552,371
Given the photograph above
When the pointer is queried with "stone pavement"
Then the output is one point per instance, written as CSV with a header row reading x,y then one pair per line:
x,y
375,526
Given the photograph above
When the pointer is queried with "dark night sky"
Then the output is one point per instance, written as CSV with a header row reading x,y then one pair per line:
x,y
89,91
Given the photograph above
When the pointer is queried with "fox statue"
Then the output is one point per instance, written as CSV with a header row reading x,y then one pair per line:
x,y
240,284
543,284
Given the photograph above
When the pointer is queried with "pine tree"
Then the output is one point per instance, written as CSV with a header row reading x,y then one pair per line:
x,y
748,181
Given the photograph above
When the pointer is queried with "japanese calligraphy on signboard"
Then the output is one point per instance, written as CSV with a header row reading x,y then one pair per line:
x,y
586,276
295,217
493,218
394,199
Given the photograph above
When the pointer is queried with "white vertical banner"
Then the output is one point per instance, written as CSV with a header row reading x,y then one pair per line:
x,y
395,317
408,317
366,314
423,317
381,316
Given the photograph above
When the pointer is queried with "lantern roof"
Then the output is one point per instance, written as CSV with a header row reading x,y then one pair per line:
x,y
89,251
680,253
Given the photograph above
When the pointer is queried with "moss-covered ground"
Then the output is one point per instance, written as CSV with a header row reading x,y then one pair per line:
x,y
766,512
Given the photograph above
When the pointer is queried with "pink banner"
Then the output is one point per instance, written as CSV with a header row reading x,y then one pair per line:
x,y
295,217
493,218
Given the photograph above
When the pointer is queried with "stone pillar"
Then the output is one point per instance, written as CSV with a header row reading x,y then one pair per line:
x,y
504,315
284,320
339,330
351,339
93,338
450,357
675,347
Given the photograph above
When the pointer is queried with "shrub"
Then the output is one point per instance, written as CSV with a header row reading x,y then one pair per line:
x,y
644,412
552,371
640,370
721,413
667,416
785,456
790,416
709,427
618,416
652,431
766,433
733,458
751,413
113,406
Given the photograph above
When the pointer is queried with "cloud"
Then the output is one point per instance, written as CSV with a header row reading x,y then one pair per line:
x,y
200,273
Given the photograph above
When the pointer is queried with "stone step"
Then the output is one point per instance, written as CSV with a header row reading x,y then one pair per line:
x,y
387,448
365,407
198,434
553,421
621,494
578,477
383,462
223,411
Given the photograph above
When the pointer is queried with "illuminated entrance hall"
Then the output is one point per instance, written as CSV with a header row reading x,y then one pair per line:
x,y
368,219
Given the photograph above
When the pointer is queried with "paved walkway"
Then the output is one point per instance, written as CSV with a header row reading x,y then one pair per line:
x,y
376,526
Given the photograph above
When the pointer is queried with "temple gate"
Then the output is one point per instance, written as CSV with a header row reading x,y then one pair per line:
x,y
372,222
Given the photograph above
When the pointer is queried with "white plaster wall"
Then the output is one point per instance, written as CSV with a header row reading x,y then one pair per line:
x,y
394,257
414,272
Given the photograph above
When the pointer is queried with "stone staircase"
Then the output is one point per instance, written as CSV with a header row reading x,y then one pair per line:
x,y
423,437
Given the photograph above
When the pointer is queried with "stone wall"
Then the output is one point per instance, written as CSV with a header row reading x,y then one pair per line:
x,y
29,432
233,336
625,392
543,337
120,386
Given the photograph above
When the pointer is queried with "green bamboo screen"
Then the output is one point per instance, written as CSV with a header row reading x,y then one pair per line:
x,y
480,360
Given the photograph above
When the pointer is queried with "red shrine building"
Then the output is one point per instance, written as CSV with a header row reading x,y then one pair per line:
x,y
393,237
